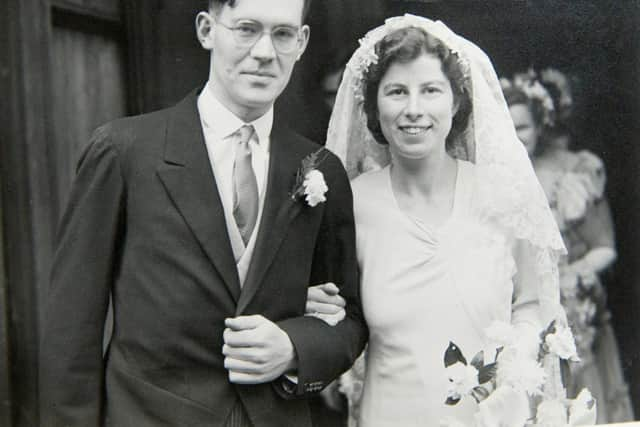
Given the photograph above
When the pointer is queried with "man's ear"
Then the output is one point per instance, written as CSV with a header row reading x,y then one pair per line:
x,y
306,33
205,24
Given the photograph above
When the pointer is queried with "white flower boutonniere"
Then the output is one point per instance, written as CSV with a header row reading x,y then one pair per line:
x,y
310,181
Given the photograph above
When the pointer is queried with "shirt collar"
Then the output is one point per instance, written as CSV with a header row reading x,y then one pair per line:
x,y
222,122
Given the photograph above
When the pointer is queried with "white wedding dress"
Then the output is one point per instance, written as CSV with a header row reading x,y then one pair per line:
x,y
424,286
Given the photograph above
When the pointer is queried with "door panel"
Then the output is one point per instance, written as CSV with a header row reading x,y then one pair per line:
x,y
89,89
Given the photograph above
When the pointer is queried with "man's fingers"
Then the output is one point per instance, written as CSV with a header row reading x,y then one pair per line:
x,y
321,308
244,338
245,378
242,366
248,354
241,323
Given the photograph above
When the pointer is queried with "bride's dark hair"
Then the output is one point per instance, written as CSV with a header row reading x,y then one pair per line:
x,y
405,45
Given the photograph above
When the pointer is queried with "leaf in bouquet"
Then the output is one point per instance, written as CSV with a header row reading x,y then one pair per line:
x,y
478,360
498,351
565,373
551,329
452,355
452,401
487,373
480,393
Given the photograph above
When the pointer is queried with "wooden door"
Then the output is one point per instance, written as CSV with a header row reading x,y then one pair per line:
x,y
5,396
88,80
62,73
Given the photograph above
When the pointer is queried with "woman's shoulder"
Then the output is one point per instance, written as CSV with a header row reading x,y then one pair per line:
x,y
564,160
584,166
370,182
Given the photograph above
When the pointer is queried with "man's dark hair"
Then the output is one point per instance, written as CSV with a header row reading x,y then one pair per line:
x,y
217,5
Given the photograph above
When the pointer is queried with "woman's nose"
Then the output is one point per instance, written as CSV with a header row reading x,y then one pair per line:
x,y
413,109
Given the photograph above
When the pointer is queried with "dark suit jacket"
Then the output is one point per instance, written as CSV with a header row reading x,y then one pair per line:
x,y
145,224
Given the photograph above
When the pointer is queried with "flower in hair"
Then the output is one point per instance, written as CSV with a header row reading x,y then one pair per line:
x,y
366,53
360,63
530,85
560,81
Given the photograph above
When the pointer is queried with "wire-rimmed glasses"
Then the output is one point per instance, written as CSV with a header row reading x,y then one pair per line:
x,y
285,39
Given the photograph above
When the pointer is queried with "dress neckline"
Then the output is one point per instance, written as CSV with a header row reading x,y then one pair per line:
x,y
457,201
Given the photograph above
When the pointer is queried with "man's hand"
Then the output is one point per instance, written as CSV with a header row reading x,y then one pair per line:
x,y
325,303
256,350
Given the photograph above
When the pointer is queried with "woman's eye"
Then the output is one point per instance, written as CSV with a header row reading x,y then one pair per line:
x,y
432,90
396,92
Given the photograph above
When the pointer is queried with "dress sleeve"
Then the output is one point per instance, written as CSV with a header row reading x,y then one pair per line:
x,y
526,303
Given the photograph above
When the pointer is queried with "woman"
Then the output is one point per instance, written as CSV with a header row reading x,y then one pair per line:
x,y
453,229
574,183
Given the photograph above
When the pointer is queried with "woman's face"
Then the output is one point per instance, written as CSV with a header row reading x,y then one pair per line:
x,y
526,128
416,107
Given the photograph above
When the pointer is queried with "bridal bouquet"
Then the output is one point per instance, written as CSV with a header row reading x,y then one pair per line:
x,y
509,387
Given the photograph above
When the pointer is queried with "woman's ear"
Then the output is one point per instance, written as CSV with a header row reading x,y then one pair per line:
x,y
205,24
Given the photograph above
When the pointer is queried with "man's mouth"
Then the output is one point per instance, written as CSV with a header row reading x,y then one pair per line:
x,y
260,74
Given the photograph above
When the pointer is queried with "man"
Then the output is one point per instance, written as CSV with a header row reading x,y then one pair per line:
x,y
189,219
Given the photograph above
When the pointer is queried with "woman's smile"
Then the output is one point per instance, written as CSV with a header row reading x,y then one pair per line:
x,y
414,130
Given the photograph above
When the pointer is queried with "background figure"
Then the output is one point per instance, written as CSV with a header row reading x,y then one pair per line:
x,y
574,182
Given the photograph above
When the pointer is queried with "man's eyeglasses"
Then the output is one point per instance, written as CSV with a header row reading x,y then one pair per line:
x,y
285,39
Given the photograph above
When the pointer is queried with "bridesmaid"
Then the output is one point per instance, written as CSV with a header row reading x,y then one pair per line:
x,y
574,183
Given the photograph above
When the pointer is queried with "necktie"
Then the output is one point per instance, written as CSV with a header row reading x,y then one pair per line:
x,y
245,186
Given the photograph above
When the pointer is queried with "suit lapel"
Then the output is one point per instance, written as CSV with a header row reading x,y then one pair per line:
x,y
187,177
278,212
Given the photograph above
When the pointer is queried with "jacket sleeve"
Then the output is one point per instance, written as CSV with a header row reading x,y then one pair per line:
x,y
71,360
324,352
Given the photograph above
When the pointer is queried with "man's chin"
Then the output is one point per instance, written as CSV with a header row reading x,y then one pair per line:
x,y
259,96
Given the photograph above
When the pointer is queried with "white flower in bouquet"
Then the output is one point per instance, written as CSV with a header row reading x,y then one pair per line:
x,y
582,410
462,380
562,344
551,413
505,407
315,187
520,371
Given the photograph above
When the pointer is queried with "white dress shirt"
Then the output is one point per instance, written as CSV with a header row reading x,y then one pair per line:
x,y
218,124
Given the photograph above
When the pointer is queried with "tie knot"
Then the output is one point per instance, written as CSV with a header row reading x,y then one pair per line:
x,y
244,134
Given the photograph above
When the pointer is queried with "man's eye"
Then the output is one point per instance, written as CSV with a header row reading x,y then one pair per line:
x,y
284,33
247,30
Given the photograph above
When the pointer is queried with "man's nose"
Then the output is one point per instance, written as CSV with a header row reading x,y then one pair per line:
x,y
263,49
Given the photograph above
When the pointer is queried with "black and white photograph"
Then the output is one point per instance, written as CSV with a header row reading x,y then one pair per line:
x,y
319,213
